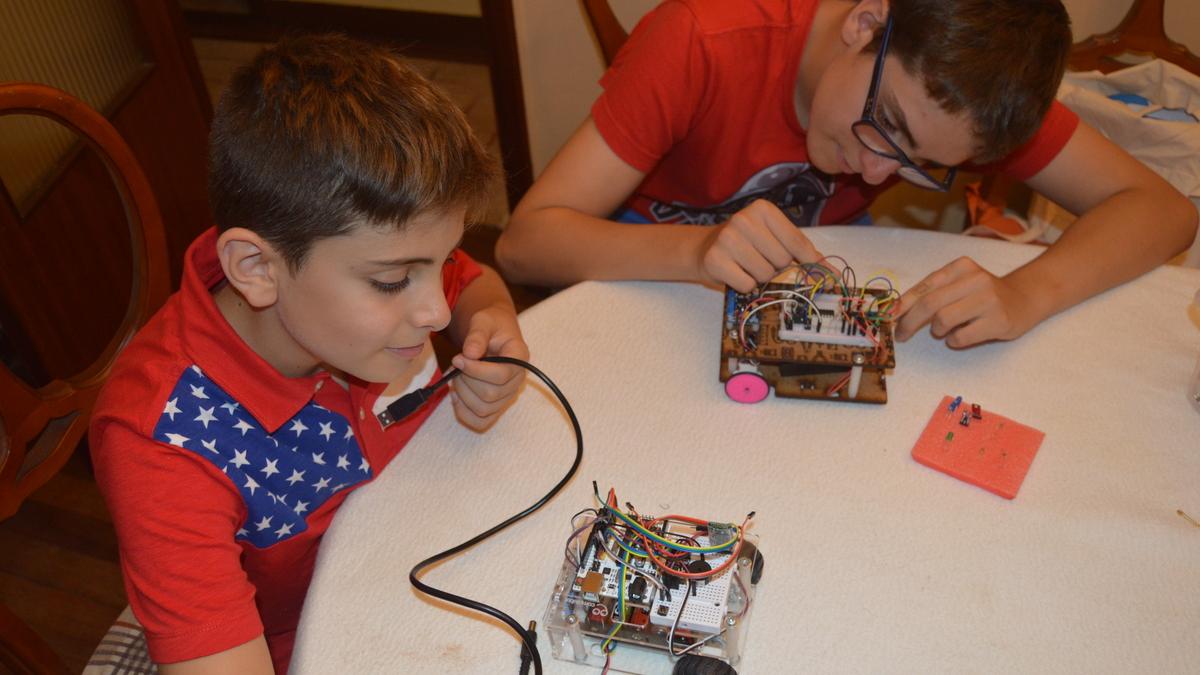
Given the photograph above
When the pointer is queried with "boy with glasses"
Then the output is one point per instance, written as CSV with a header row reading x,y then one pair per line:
x,y
758,117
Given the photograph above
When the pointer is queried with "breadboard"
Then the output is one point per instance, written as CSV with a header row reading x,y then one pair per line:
x,y
992,452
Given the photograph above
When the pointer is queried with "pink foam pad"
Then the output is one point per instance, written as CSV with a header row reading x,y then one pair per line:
x,y
747,387
994,452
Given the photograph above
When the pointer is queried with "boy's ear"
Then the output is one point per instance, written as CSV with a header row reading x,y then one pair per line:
x,y
865,20
251,265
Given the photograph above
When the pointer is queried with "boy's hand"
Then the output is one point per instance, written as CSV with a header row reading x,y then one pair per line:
x,y
484,390
965,305
752,247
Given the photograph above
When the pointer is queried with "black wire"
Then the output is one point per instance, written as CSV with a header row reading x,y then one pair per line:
x,y
529,640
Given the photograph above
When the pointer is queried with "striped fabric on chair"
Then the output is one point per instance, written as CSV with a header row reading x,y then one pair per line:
x,y
122,651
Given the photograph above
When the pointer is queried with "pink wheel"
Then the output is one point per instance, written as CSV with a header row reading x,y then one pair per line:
x,y
747,387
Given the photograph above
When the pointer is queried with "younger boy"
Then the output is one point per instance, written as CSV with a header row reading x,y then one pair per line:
x,y
240,417
758,116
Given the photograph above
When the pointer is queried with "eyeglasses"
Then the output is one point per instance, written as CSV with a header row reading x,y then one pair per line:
x,y
868,132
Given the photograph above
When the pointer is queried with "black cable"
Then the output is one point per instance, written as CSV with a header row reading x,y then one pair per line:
x,y
528,637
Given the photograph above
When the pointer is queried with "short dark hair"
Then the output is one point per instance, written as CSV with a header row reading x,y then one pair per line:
x,y
320,133
999,60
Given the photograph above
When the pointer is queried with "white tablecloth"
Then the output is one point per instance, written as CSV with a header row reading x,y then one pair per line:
x,y
874,563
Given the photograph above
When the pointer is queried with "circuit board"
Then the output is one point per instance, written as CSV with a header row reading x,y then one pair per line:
x,y
612,594
977,446
805,342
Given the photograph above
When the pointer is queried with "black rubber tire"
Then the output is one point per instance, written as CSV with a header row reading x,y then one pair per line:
x,y
702,665
756,572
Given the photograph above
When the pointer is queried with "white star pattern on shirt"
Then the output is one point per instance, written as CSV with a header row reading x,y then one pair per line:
x,y
326,430
239,459
206,416
196,370
254,462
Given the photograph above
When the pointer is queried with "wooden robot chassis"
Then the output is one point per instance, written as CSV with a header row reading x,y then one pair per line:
x,y
800,368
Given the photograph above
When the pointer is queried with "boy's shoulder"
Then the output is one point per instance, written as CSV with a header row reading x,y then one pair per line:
x,y
147,370
162,356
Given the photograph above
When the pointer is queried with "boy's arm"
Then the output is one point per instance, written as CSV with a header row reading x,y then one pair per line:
x,y
251,658
559,235
484,323
1131,221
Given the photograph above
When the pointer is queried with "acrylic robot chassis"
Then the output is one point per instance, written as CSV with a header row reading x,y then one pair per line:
x,y
706,637
832,345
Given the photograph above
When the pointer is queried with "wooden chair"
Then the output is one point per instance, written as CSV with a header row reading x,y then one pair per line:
x,y
40,428
609,32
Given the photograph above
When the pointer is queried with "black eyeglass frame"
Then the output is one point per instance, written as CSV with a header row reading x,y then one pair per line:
x,y
909,170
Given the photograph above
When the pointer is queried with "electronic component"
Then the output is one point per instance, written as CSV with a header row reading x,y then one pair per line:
x,y
675,583
994,453
810,333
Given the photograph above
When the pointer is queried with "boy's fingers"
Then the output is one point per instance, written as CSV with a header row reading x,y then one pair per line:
x,y
475,346
932,304
936,280
468,416
784,231
798,246
472,399
767,244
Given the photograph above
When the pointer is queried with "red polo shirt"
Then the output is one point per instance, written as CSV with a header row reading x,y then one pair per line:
x,y
222,474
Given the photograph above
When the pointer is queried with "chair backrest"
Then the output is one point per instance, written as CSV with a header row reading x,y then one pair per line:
x,y
609,31
39,428
1142,33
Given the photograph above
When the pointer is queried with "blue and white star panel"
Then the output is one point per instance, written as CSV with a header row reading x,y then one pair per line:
x,y
281,476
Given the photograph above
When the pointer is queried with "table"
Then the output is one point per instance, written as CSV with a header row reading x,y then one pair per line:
x,y
874,563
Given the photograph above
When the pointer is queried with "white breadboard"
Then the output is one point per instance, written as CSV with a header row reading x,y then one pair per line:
x,y
705,610
831,328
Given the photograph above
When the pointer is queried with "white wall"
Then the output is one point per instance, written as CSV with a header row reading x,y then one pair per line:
x,y
560,66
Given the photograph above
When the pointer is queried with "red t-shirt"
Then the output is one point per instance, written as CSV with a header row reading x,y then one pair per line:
x,y
222,474
701,99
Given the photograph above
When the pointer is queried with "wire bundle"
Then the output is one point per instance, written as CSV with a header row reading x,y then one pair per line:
x,y
652,539
798,303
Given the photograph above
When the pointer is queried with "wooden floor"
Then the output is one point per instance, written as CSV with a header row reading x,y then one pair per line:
x,y
59,566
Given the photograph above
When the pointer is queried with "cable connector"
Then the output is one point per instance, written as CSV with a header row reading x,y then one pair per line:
x,y
526,657
410,402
